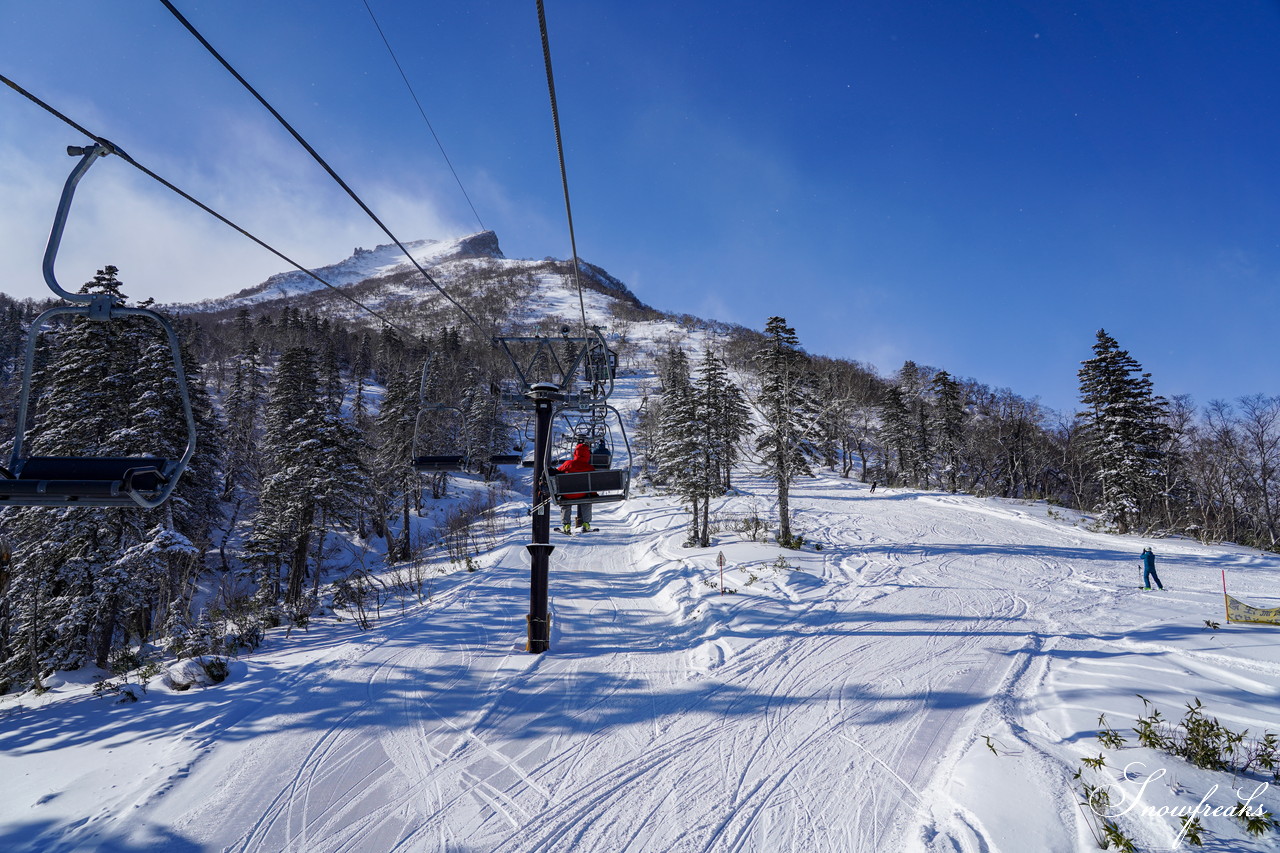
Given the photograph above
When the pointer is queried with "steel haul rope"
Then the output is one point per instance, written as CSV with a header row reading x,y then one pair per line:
x,y
316,156
119,152
564,176
423,112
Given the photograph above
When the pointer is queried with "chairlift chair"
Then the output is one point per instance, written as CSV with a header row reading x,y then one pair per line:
x,y
507,458
589,359
515,457
143,481
455,459
434,461
601,364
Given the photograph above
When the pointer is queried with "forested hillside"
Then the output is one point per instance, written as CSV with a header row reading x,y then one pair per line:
x,y
307,409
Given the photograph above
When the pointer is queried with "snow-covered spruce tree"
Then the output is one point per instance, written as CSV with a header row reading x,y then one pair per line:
x,y
391,356
333,447
156,425
105,389
895,433
681,460
283,524
673,367
332,388
243,408
788,410
15,319
914,381
728,421
948,427
646,437
361,366
395,483
701,423
486,433
1126,430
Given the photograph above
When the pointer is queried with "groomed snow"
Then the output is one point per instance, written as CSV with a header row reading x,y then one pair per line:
x,y
850,700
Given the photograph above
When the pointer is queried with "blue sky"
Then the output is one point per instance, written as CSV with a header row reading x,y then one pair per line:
x,y
974,186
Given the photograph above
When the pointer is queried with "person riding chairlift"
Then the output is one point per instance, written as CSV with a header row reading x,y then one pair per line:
x,y
580,463
601,454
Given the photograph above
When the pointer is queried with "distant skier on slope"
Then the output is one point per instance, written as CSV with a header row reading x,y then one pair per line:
x,y
1149,570
581,462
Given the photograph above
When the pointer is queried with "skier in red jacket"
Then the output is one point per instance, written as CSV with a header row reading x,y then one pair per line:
x,y
580,462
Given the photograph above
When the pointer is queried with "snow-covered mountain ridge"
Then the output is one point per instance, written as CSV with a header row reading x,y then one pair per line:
x,y
383,274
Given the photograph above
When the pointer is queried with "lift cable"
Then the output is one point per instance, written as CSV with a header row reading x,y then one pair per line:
x,y
119,152
316,156
564,177
423,112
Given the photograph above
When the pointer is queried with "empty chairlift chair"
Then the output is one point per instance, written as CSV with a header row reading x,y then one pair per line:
x,y
143,481
430,456
437,431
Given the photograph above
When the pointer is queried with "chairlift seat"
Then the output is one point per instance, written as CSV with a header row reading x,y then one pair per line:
x,y
606,486
84,481
506,459
601,460
451,462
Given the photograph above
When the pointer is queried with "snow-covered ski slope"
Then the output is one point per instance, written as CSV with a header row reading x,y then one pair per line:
x,y
850,700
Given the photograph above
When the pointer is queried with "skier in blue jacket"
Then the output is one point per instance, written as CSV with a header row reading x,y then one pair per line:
x,y
1149,570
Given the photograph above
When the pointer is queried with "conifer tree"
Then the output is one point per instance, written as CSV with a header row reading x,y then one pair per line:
x,y
788,409
332,388
895,432
682,456
243,409
283,523
1124,420
486,433
107,388
948,426
727,420
332,446
395,481
917,448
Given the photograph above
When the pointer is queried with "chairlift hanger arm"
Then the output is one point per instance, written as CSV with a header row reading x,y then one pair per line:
x,y
119,152
315,155
544,344
101,302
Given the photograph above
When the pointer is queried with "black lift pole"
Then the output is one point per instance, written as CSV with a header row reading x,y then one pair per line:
x,y
544,396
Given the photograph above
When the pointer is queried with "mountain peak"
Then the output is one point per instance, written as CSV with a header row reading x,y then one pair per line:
x,y
363,264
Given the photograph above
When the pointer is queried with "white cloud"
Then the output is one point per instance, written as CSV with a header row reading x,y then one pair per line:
x,y
167,248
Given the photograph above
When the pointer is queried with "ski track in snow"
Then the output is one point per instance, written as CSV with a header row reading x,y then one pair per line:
x,y
837,706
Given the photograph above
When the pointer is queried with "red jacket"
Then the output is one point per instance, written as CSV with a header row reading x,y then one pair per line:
x,y
580,463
